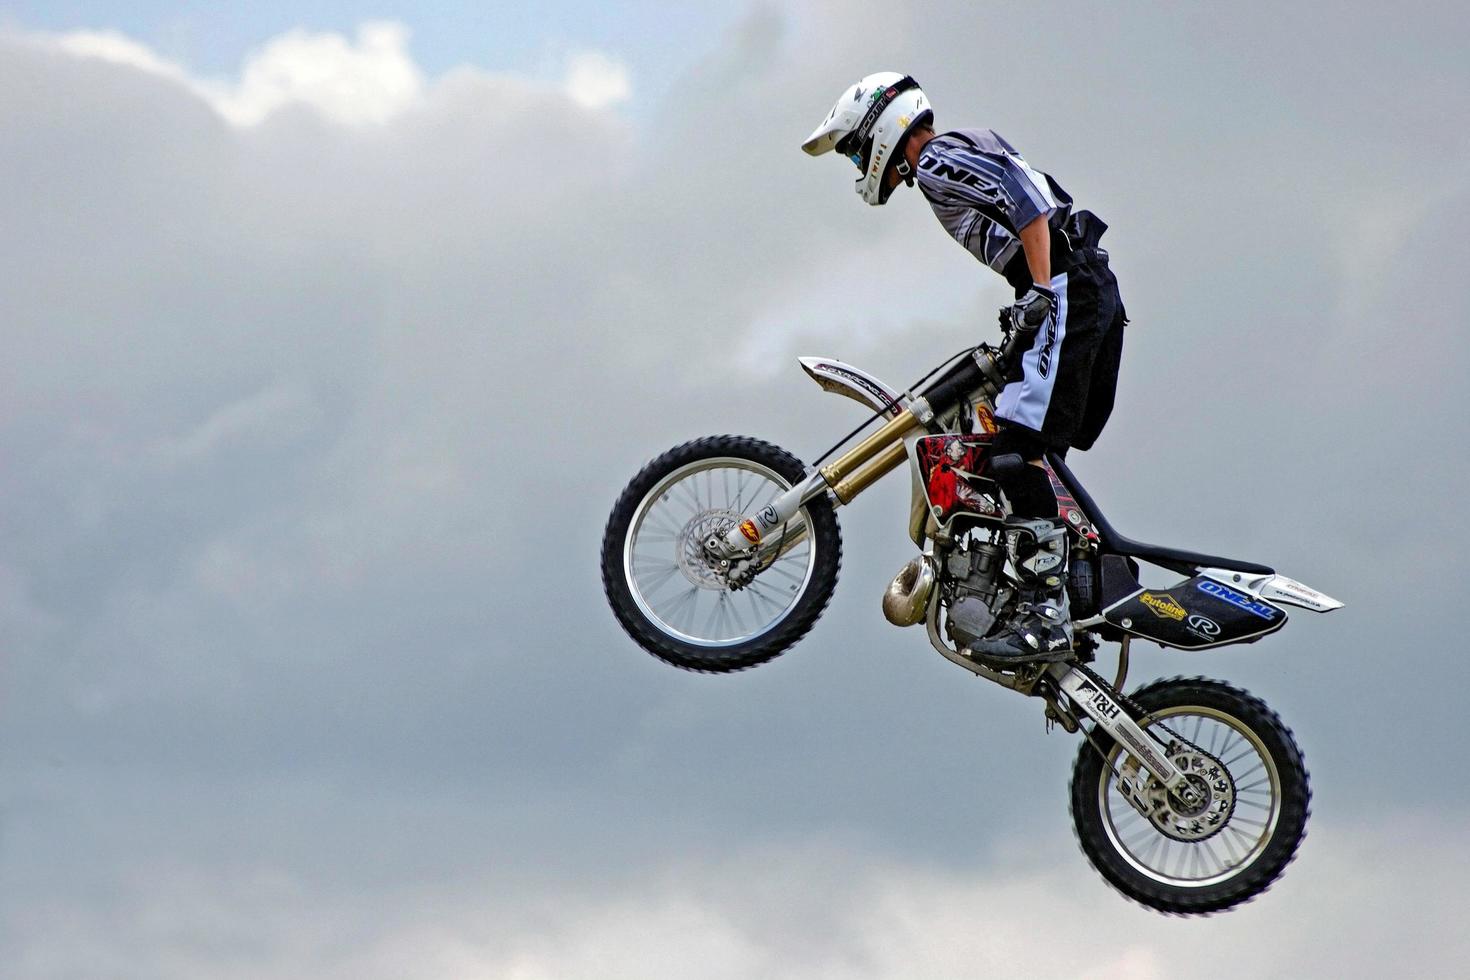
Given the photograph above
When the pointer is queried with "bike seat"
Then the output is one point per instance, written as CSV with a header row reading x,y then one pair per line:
x,y
1185,562
1177,559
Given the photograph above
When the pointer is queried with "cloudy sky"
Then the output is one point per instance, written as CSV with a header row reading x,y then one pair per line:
x,y
331,333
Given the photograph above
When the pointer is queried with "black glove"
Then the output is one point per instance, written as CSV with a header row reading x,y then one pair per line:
x,y
1033,309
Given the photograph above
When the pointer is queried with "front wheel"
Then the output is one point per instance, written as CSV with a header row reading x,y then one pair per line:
x,y
1226,847
665,592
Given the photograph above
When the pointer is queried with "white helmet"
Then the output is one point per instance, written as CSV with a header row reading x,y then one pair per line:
x,y
868,125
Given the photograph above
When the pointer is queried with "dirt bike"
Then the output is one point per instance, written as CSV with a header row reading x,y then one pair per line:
x,y
1188,795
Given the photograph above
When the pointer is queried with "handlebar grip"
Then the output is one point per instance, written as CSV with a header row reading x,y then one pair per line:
x,y
1015,345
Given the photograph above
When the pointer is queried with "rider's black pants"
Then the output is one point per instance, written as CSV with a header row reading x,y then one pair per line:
x,y
1060,394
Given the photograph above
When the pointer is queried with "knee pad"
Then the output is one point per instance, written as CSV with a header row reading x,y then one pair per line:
x,y
1029,491
1014,439
1027,487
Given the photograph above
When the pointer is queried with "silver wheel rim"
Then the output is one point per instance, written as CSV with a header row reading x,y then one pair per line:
x,y
671,585
1245,834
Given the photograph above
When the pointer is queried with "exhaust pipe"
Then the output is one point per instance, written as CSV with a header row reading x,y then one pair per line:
x,y
906,603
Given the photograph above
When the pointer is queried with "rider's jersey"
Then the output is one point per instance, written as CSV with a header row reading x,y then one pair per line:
x,y
982,191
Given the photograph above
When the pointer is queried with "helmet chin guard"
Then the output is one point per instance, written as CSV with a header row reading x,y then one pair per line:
x,y
868,125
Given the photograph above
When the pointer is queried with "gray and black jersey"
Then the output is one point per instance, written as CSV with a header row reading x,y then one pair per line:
x,y
1060,392
983,192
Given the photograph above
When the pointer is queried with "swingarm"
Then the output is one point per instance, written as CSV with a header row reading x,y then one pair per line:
x,y
1094,698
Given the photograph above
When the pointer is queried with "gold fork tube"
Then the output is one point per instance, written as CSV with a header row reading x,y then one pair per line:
x,y
884,439
879,467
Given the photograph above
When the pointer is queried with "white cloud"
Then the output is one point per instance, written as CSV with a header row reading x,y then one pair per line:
x,y
370,81
119,49
365,80
594,80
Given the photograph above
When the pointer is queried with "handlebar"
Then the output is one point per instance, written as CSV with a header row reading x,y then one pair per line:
x,y
1015,344
970,374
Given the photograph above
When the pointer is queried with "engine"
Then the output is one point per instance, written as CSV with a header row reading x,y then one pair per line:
x,y
974,588
972,583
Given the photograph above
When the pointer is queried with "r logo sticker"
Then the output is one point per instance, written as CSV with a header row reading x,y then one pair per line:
x,y
1204,626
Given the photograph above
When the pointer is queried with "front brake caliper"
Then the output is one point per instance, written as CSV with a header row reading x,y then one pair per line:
x,y
741,573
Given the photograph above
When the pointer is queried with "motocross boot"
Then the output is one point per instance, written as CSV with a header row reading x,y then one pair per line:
x,y
1041,628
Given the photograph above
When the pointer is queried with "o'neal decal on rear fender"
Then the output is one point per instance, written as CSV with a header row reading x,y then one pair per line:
x,y
1210,587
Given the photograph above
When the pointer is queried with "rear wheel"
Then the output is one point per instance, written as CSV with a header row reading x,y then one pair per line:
x,y
672,600
1228,846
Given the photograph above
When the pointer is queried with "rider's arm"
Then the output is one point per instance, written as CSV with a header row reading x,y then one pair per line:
x,y
1036,242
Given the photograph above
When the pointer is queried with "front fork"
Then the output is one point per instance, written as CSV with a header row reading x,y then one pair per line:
x,y
845,478
751,532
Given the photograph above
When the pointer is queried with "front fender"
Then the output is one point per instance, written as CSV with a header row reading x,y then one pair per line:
x,y
855,383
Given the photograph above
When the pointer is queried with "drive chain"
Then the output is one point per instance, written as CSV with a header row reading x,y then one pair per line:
x,y
1135,710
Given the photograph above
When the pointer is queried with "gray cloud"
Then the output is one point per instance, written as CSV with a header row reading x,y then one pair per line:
x,y
833,909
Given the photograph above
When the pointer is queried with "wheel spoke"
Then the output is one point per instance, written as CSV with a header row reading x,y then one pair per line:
x,y
650,586
1260,766
1181,857
691,610
735,617
714,615
656,560
785,573
668,529
691,490
1250,842
757,589
1248,750
676,605
1229,847
1132,843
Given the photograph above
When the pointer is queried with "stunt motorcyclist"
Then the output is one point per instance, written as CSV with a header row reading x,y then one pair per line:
x,y
1021,223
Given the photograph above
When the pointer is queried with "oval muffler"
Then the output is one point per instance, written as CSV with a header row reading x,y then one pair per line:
x,y
906,602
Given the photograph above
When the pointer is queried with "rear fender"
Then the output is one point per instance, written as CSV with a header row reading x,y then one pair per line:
x,y
1279,588
1274,588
